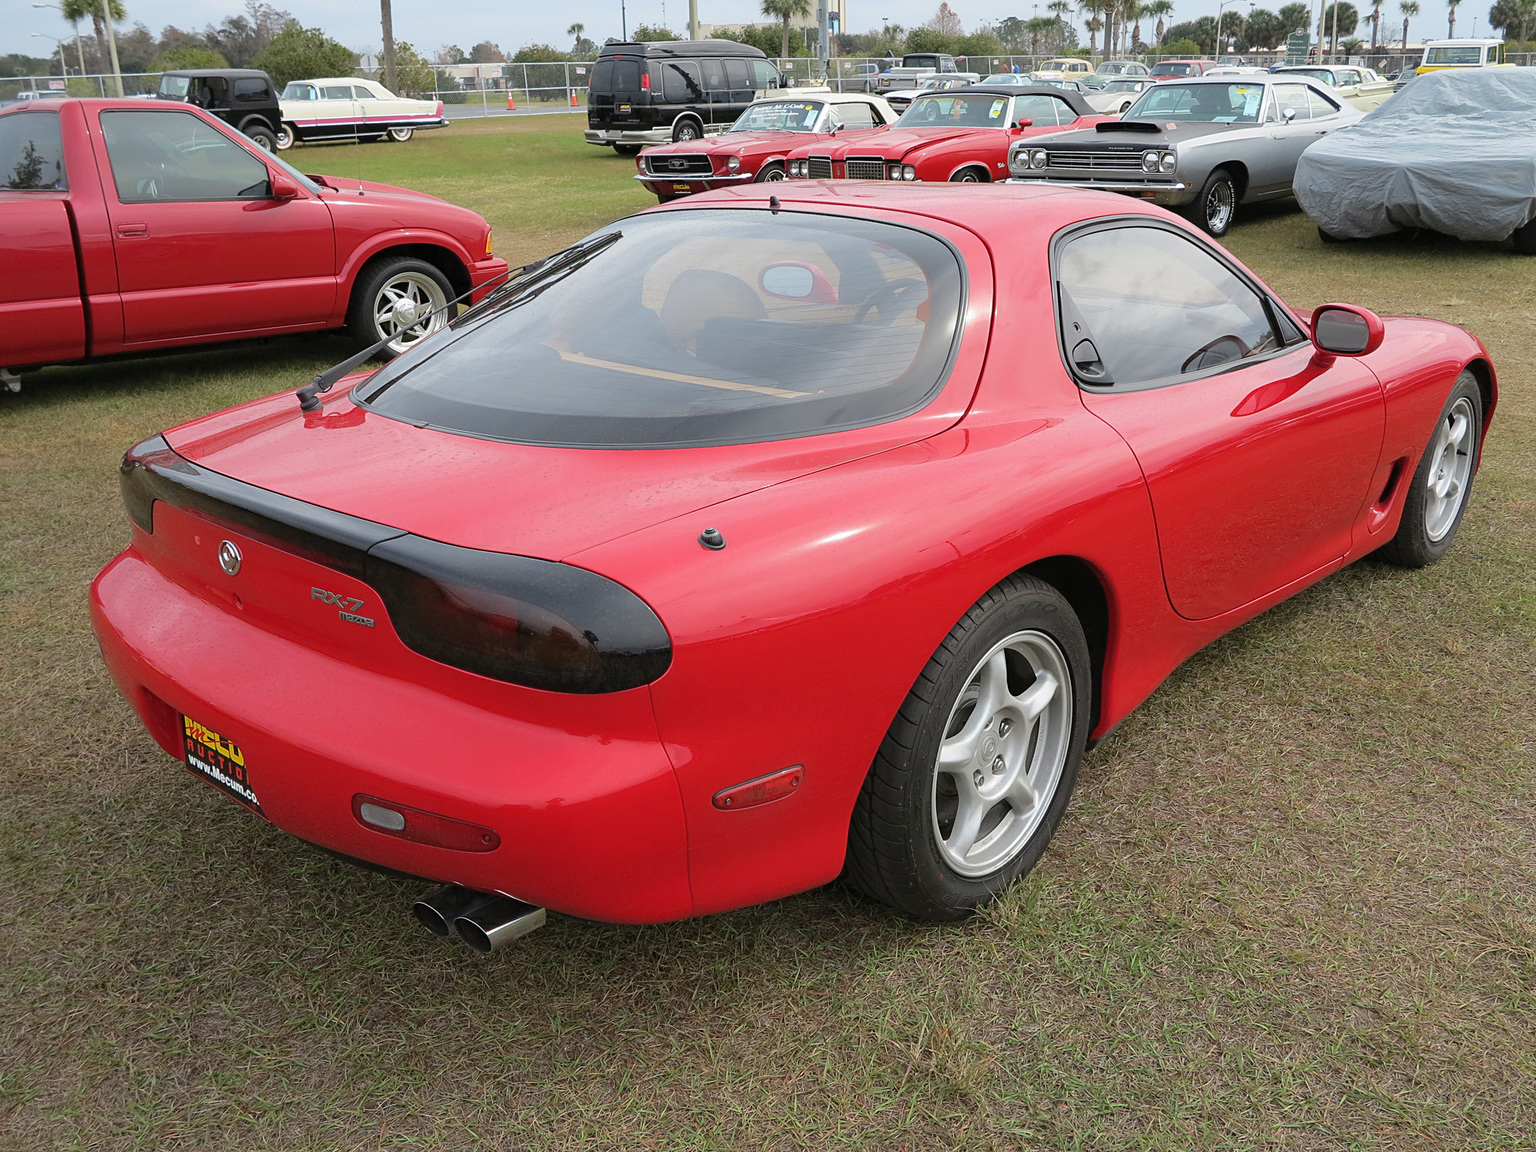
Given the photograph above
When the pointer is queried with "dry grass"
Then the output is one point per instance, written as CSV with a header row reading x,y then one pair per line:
x,y
1291,906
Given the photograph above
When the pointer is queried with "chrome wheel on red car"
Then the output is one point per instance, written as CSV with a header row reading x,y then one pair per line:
x,y
403,299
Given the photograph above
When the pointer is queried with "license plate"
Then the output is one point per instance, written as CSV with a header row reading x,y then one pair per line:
x,y
217,760
682,188
623,107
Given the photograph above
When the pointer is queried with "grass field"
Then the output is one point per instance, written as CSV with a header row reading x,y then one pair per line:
x,y
1291,906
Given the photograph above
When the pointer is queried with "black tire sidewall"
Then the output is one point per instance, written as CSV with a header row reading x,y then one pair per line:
x,y
1411,546
1198,213
765,175
936,892
677,131
260,132
360,322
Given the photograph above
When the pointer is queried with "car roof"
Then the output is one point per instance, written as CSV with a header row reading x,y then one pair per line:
x,y
683,48
333,80
239,72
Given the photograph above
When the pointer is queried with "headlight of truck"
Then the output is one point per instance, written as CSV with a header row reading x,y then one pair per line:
x,y
1150,161
1169,162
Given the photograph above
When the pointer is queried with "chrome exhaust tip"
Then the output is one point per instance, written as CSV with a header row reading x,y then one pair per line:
x,y
437,911
496,922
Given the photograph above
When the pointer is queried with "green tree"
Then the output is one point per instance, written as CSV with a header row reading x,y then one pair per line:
x,y
1182,47
1513,16
784,11
75,10
932,40
575,32
1265,29
188,56
299,53
1161,10
980,45
1339,19
486,53
1408,8
651,33
412,72
1296,17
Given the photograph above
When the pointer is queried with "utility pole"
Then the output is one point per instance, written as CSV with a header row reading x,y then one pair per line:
x,y
623,23
823,37
117,73
693,19
387,19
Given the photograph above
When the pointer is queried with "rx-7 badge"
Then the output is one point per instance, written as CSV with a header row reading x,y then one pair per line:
x,y
346,606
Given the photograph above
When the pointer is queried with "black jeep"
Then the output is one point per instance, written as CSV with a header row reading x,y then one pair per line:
x,y
241,97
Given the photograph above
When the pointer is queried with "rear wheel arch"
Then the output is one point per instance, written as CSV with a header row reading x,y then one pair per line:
x,y
1083,587
1483,372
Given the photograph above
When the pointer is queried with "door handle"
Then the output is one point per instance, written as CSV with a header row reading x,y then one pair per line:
x,y
133,230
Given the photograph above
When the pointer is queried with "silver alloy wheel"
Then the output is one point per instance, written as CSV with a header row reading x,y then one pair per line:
x,y
1005,744
1450,470
408,307
1220,202
284,138
687,130
400,135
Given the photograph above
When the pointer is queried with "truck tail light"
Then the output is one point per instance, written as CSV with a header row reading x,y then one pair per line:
x,y
645,81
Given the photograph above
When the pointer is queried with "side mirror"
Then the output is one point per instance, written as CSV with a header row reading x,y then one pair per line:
x,y
1024,123
1288,115
283,187
1346,330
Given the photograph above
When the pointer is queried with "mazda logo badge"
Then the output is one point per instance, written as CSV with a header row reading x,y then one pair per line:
x,y
229,558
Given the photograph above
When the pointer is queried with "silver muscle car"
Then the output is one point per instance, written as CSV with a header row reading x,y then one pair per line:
x,y
1201,146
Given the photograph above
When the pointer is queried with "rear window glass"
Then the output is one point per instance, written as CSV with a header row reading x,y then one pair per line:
x,y
706,327
297,91
31,153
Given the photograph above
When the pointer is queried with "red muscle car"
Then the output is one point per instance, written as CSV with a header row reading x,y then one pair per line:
x,y
753,148
133,225
961,135
756,540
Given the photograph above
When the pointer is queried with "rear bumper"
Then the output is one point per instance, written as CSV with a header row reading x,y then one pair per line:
x,y
1170,194
589,826
606,136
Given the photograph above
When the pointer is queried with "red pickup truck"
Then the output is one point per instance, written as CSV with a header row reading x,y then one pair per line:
x,y
127,226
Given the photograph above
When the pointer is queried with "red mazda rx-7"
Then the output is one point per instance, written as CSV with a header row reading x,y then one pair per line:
x,y
758,539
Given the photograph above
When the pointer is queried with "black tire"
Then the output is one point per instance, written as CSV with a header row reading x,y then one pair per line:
x,y
969,176
1525,239
286,137
769,174
687,129
1220,190
265,138
361,322
1417,543
894,850
627,149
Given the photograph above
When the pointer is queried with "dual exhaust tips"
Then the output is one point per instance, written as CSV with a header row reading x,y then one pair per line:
x,y
484,922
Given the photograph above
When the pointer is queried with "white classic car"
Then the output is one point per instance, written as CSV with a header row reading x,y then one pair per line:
x,y
1360,86
350,108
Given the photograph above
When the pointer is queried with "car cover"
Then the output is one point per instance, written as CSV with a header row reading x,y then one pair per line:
x,y
1453,152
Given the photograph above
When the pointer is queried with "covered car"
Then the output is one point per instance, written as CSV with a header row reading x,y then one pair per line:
x,y
1454,152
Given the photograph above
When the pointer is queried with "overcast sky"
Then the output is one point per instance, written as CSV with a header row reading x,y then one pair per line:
x,y
466,22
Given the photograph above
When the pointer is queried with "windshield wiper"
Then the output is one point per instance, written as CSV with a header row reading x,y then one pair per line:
x,y
513,281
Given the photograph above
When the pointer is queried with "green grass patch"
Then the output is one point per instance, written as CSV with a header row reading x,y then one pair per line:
x,y
1291,906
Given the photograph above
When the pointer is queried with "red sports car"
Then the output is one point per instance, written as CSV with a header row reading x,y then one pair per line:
x,y
962,135
762,538
753,148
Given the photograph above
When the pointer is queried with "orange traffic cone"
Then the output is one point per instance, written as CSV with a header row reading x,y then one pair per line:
x,y
511,101
573,98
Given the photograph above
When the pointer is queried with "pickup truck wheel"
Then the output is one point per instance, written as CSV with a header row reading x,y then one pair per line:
x,y
264,137
401,135
627,149
285,137
402,298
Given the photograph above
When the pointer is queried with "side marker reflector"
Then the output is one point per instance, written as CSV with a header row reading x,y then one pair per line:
x,y
762,790
413,824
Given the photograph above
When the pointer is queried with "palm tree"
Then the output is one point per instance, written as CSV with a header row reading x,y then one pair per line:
x,y
784,11
575,31
1375,24
1408,8
1159,9
1094,22
1451,7
1138,10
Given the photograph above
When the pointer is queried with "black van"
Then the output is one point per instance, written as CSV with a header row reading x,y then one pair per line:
x,y
241,97
673,90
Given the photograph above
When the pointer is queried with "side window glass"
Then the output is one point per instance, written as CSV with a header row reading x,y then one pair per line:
x,y
1320,104
174,156
764,75
360,93
31,152
338,92
1040,109
251,90
1141,304
1292,97
856,115
738,75
681,83
714,74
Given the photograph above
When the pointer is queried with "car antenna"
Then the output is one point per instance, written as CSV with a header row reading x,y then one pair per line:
x,y
309,395
773,205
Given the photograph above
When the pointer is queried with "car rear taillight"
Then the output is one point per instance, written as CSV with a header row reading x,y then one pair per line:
x,y
531,622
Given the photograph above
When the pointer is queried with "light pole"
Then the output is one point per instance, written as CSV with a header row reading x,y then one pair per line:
x,y
117,73
63,67
79,51
1219,9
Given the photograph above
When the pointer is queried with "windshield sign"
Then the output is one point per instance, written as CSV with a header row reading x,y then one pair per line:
x,y
966,110
1207,103
781,116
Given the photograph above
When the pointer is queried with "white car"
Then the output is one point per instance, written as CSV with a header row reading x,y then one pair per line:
x,y
1118,95
350,108
937,82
